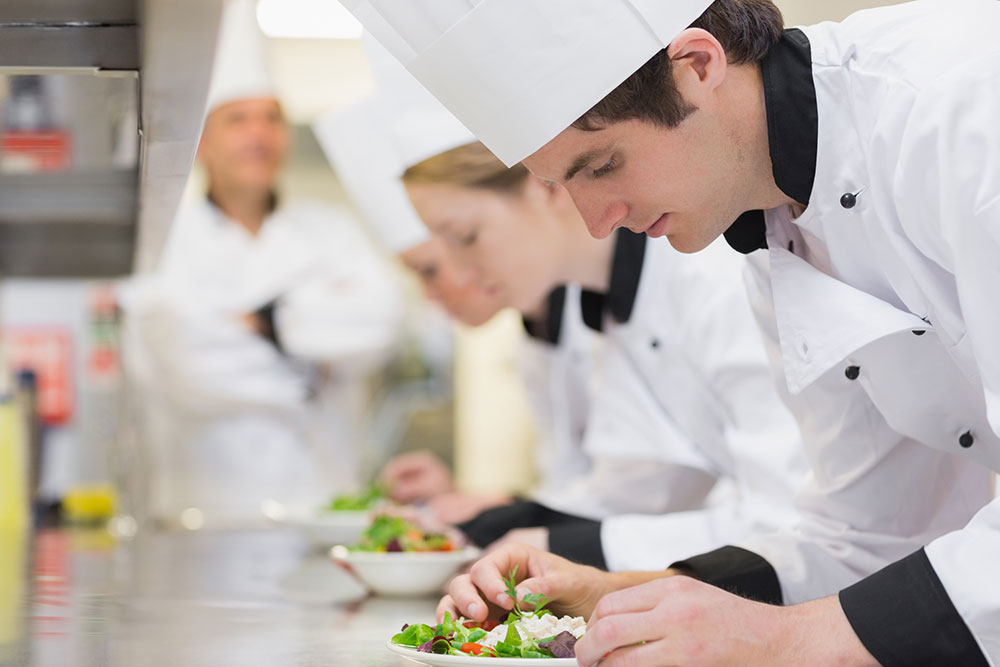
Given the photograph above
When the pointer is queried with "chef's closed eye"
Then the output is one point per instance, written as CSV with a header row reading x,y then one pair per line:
x,y
428,273
468,238
606,168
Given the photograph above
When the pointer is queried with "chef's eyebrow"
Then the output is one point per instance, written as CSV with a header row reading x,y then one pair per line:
x,y
582,161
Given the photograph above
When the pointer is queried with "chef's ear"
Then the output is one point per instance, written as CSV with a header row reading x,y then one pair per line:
x,y
698,62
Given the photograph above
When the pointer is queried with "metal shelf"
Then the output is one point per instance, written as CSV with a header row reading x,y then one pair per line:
x,y
91,222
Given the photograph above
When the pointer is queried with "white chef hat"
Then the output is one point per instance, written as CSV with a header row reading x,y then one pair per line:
x,y
418,125
242,69
355,141
518,72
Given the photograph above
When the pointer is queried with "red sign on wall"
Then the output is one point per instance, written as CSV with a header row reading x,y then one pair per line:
x,y
48,351
35,151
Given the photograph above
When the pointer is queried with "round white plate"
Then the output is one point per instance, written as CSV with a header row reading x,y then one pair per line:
x,y
437,660
403,573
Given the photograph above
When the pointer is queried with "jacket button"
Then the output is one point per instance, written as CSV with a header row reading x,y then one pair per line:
x,y
966,440
849,200
919,332
852,372
655,343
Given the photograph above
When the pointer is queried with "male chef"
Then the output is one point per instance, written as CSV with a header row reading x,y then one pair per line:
x,y
859,163
262,320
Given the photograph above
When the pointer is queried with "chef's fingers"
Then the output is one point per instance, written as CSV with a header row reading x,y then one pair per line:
x,y
447,604
489,573
566,592
629,600
618,637
465,599
650,654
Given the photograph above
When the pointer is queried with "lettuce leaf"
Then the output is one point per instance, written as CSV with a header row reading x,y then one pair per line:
x,y
414,635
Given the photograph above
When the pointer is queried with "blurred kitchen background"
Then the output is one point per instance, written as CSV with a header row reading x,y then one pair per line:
x,y
80,209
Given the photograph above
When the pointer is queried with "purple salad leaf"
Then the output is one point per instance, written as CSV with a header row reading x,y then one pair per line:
x,y
562,645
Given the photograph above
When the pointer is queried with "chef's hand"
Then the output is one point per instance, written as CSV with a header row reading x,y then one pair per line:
x,y
683,622
571,588
251,322
459,507
416,476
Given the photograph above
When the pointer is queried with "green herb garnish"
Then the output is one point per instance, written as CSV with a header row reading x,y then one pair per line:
x,y
537,600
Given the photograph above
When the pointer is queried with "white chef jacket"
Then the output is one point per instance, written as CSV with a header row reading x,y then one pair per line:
x,y
560,362
880,303
685,399
240,419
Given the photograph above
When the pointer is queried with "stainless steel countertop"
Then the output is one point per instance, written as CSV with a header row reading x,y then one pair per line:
x,y
175,599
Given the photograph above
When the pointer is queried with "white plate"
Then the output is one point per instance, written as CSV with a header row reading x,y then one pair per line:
x,y
326,528
437,660
404,574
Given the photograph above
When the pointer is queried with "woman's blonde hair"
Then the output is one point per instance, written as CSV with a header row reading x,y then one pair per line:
x,y
470,166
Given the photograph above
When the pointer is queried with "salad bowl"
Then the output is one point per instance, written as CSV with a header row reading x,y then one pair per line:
x,y
401,573
341,521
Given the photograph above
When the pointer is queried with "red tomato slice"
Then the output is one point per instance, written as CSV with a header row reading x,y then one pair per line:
x,y
472,648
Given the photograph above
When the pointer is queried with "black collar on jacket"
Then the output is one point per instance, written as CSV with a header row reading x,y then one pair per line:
x,y
623,285
792,132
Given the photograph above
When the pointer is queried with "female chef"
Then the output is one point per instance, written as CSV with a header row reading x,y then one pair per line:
x,y
860,164
354,140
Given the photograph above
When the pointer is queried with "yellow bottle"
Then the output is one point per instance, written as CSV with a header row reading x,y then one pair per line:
x,y
14,517
13,468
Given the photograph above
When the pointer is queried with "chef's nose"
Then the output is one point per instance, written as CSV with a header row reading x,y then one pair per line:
x,y
601,213
464,270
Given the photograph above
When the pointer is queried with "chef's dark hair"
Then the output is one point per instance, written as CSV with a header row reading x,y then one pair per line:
x,y
747,29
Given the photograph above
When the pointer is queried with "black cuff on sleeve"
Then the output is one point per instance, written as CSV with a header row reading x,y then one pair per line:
x,y
489,526
268,329
738,571
579,541
903,616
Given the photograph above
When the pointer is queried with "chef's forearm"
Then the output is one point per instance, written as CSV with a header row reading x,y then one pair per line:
x,y
818,633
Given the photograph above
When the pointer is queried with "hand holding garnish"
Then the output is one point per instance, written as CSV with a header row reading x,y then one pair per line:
x,y
527,633
569,588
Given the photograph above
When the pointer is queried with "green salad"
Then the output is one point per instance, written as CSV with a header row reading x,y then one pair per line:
x,y
370,497
515,638
393,534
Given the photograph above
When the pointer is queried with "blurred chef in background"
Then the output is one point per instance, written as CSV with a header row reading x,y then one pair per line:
x,y
262,322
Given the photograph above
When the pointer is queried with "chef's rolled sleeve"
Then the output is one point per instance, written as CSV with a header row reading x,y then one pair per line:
x,y
579,541
736,570
489,526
